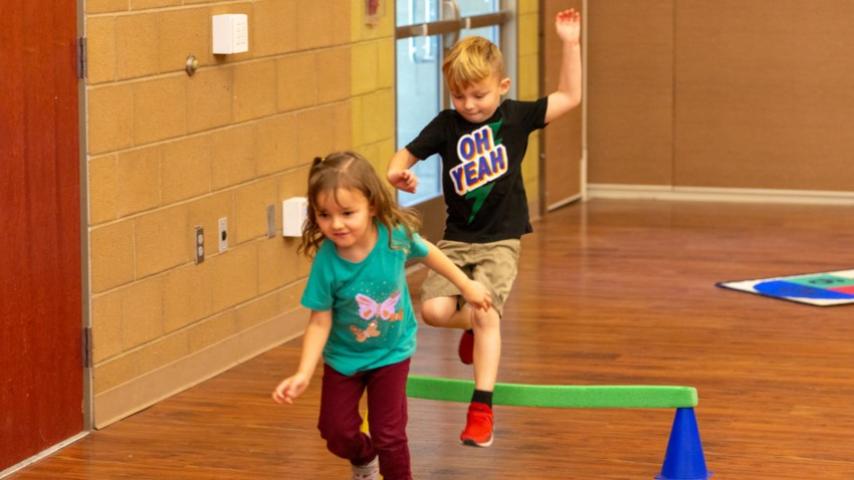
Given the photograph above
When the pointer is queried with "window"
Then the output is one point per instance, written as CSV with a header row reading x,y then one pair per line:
x,y
425,28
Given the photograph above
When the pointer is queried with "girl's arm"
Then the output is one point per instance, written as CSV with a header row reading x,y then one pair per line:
x,y
568,94
474,292
316,334
399,173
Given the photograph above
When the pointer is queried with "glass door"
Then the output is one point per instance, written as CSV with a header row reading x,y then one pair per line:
x,y
425,29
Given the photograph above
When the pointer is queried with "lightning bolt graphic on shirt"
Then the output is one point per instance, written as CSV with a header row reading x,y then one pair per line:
x,y
479,194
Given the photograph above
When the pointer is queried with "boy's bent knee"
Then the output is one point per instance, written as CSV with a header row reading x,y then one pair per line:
x,y
484,320
434,317
437,311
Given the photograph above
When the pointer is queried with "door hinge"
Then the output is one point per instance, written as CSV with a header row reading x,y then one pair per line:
x,y
87,347
82,58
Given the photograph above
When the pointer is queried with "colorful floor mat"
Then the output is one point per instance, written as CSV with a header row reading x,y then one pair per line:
x,y
823,289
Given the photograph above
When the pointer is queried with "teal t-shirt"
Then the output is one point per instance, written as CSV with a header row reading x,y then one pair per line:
x,y
373,324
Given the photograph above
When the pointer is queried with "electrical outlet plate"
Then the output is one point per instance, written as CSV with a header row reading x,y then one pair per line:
x,y
200,244
222,234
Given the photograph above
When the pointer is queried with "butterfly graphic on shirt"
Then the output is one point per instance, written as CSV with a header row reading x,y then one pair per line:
x,y
362,335
370,309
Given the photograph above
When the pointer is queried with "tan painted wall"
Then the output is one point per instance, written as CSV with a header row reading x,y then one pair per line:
x,y
722,94
167,152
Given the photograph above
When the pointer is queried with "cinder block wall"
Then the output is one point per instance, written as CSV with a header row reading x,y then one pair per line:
x,y
168,152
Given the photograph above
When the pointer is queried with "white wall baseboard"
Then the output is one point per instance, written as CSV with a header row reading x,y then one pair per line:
x,y
131,397
712,194
564,202
43,454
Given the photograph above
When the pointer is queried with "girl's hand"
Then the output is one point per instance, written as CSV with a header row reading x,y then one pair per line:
x,y
404,180
290,388
477,295
568,25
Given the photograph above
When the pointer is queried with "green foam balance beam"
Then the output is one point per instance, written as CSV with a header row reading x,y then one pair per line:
x,y
556,396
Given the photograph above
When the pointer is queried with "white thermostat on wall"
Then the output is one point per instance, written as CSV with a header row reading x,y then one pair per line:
x,y
294,213
230,33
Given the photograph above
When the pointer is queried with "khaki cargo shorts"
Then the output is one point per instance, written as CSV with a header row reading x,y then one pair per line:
x,y
492,264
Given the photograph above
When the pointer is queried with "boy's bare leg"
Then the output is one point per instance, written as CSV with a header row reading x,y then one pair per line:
x,y
487,347
442,312
487,353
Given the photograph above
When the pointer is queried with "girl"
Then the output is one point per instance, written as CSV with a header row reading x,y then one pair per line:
x,y
361,314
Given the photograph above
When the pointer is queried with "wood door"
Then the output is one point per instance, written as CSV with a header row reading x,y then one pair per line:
x,y
41,373
562,163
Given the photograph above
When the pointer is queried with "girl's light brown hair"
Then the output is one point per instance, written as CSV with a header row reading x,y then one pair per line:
x,y
349,170
472,60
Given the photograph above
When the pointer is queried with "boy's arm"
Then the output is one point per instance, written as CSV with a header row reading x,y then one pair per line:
x,y
568,94
399,173
474,293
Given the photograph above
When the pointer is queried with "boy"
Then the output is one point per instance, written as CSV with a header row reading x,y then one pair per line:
x,y
482,142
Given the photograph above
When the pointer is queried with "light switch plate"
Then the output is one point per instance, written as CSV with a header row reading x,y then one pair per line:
x,y
223,234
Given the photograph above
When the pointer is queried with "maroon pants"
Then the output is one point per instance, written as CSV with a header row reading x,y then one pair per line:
x,y
340,420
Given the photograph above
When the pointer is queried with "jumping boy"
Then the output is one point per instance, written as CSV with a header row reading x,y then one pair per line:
x,y
482,142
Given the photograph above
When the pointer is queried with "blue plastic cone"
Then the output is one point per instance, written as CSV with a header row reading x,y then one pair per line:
x,y
684,459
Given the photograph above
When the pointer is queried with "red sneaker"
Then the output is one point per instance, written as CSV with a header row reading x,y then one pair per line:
x,y
478,432
466,348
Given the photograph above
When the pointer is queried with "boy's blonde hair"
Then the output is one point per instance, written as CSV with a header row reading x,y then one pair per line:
x,y
472,60
349,170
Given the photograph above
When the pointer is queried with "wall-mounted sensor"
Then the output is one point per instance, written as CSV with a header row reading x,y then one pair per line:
x,y
294,213
230,33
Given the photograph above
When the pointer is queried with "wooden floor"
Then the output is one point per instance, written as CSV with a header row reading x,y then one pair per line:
x,y
610,292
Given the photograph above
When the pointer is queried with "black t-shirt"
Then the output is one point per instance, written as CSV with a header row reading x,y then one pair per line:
x,y
482,169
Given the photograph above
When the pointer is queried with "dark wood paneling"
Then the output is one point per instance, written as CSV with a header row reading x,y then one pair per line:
x,y
764,96
40,279
562,137
630,91
608,292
